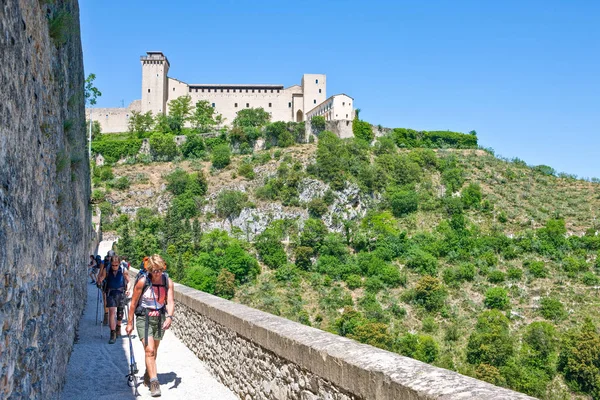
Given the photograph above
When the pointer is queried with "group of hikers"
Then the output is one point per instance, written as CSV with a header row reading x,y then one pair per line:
x,y
149,297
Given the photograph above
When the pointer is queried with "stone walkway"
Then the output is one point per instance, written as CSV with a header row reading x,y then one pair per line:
x,y
97,369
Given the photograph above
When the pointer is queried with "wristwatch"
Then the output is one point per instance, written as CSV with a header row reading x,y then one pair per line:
x,y
169,316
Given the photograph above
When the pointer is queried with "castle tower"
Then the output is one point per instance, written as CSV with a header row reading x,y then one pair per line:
x,y
314,89
155,67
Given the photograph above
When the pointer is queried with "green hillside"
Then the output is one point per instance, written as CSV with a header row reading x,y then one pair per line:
x,y
448,255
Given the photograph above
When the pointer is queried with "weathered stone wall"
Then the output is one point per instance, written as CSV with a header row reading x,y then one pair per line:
x,y
45,224
261,356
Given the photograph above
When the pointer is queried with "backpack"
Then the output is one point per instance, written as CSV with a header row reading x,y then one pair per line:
x,y
143,273
98,261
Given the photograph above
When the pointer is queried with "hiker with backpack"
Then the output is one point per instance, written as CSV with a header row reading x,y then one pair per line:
x,y
93,269
117,284
153,305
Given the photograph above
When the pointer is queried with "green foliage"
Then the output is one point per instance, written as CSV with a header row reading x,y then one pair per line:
x,y
317,208
98,196
579,357
421,347
221,156
455,276
201,278
552,309
252,118
270,249
453,178
122,183
373,333
96,129
230,203
204,117
353,281
422,262
279,134
496,276
514,274
362,130
193,147
536,268
491,342
471,195
430,293
246,170
91,93
114,150
163,147
496,297
317,124
403,202
61,26
179,112
433,139
140,124
225,284
302,256
313,233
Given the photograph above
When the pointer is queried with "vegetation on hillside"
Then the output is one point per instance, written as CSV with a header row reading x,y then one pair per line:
x,y
463,260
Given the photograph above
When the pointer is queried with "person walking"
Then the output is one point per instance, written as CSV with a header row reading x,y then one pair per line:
x,y
93,269
117,288
153,304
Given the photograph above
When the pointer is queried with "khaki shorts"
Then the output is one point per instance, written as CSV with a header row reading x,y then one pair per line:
x,y
140,324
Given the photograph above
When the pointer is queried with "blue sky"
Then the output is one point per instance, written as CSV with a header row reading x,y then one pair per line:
x,y
524,74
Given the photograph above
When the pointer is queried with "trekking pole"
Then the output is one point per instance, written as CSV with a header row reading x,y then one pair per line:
x,y
97,303
133,369
102,321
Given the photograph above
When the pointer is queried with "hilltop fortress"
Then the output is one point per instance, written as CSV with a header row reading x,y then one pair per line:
x,y
295,103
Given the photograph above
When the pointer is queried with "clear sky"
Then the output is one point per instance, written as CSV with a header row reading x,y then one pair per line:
x,y
524,74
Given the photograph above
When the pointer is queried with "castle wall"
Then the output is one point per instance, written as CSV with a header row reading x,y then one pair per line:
x,y
45,219
314,87
113,120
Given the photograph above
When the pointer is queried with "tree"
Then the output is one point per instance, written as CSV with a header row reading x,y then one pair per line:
x,y
96,129
362,130
252,118
179,113
203,118
317,124
403,202
430,293
140,124
91,92
491,342
221,156
579,357
230,203
225,284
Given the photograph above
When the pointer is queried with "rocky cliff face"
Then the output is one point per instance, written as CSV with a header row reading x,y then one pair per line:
x,y
45,226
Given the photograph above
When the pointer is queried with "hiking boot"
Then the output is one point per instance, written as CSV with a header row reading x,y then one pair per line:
x,y
154,389
118,330
113,337
146,379
105,321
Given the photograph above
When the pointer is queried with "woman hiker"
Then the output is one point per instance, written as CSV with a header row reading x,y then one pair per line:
x,y
153,303
117,283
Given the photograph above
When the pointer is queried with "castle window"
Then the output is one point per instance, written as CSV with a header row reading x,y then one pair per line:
x,y
246,90
277,90
173,89
270,105
227,90
208,90
343,103
315,101
319,90
148,90
290,105
252,90
316,81
247,105
346,115
221,90
235,105
202,90
272,90
213,104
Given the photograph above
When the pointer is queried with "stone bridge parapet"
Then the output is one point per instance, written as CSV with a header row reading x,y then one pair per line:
x,y
262,356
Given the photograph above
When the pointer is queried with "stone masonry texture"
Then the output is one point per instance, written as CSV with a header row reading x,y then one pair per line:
x,y
45,226
262,356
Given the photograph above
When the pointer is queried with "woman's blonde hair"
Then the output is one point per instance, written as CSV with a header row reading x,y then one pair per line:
x,y
156,262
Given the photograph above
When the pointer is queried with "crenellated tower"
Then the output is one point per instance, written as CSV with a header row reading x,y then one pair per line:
x,y
155,67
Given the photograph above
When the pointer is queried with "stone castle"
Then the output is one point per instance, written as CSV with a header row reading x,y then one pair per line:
x,y
295,103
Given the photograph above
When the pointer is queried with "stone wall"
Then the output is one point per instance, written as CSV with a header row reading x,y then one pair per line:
x,y
261,356
45,226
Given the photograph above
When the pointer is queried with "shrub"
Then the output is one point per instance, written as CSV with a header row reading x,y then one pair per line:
x,y
453,179
177,181
317,208
489,373
287,273
373,333
201,278
122,183
193,147
496,276
552,309
302,256
496,297
391,276
221,156
429,325
403,202
270,249
114,150
471,195
373,284
246,170
422,262
163,147
225,284
430,293
490,342
98,196
590,279
353,281
230,203
514,274
362,130
313,233
421,347
317,124
579,357
536,268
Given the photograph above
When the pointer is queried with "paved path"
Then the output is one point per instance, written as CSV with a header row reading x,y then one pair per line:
x,y
97,369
